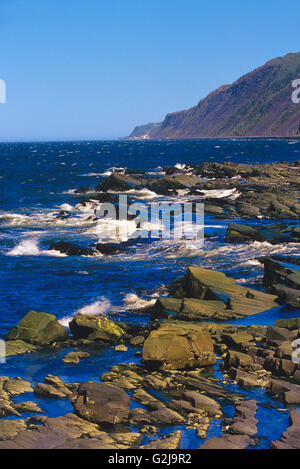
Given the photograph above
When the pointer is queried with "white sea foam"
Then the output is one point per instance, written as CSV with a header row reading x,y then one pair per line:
x,y
27,247
113,230
221,193
48,218
99,308
66,207
180,166
144,194
30,247
134,302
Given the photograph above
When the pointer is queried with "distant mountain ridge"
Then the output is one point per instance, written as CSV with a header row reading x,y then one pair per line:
x,y
259,104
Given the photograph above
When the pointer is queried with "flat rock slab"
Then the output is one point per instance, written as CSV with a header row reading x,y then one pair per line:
x,y
68,432
211,285
101,403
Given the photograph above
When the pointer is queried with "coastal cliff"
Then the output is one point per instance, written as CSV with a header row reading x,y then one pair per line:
x,y
258,104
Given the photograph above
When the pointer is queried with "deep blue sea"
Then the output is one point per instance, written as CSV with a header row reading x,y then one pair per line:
x,y
37,182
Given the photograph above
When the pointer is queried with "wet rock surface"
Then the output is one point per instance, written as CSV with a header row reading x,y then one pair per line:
x,y
169,347
209,295
38,329
101,403
174,384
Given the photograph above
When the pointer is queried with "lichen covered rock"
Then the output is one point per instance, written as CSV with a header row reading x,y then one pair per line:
x,y
38,329
171,347
102,328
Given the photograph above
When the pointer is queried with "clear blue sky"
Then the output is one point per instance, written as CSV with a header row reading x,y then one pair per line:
x,y
83,69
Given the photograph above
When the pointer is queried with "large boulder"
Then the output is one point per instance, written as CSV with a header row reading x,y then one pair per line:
x,y
173,347
38,329
99,328
101,403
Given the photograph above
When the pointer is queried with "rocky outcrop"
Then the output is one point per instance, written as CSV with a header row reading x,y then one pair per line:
x,y
9,388
18,347
172,348
73,358
38,329
279,271
121,183
95,328
209,295
101,403
70,249
242,233
240,430
292,324
68,432
54,388
171,441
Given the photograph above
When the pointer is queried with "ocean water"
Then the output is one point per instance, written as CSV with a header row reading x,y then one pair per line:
x,y
37,182
36,179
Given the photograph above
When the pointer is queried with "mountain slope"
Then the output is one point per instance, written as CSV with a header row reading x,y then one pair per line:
x,y
257,105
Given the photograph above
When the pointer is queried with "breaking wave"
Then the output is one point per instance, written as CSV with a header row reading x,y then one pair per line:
x,y
100,307
30,247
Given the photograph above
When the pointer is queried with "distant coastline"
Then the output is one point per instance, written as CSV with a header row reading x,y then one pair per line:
x,y
258,105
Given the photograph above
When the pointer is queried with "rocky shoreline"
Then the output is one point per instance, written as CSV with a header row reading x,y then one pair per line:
x,y
176,354
171,383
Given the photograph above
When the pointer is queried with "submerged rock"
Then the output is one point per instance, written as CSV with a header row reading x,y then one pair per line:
x,y
38,329
74,358
121,348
